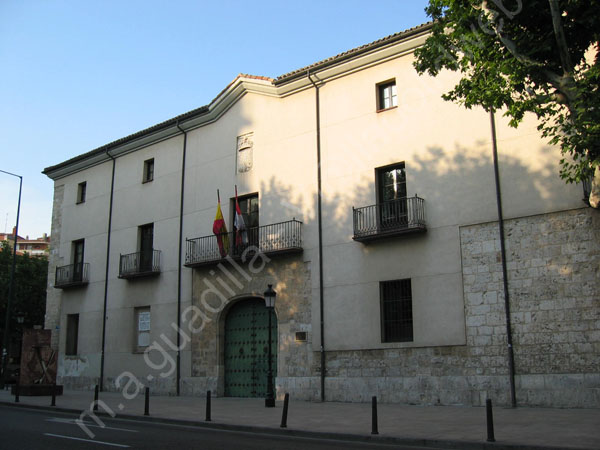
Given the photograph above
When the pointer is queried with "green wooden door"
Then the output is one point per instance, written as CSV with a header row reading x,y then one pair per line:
x,y
247,347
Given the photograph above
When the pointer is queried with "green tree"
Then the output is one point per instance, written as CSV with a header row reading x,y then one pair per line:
x,y
31,274
537,56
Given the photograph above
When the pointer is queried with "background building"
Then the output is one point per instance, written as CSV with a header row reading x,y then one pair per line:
x,y
373,205
33,247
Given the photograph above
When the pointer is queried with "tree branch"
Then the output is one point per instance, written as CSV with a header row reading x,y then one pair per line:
x,y
561,41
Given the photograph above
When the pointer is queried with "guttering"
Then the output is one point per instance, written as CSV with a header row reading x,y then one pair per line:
x,y
356,52
179,266
320,232
110,209
346,62
509,343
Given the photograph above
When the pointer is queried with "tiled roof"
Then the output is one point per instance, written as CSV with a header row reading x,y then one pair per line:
x,y
131,137
354,52
279,80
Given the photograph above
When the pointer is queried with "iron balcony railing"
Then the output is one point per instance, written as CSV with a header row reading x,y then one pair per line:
x,y
283,237
72,275
405,215
139,264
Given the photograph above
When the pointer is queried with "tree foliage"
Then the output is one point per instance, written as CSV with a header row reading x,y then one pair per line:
x,y
538,56
31,274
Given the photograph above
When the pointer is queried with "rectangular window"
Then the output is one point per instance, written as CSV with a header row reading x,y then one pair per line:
x,y
142,327
72,334
396,311
148,170
249,210
392,208
386,95
78,249
146,246
81,190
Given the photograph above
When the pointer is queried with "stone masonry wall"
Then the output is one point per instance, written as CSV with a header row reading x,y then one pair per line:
x,y
553,265
53,296
214,291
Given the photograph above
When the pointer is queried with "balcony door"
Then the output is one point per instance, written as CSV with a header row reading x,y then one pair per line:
x,y
78,260
391,197
249,209
146,247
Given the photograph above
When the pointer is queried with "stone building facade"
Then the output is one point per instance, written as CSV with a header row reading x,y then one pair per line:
x,y
374,220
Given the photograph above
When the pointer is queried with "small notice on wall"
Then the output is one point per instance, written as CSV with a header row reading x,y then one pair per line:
x,y
143,339
144,321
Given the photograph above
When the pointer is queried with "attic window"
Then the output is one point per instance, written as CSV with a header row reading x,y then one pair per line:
x,y
386,95
81,191
148,171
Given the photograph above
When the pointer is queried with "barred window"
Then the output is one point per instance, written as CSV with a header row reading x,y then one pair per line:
x,y
396,311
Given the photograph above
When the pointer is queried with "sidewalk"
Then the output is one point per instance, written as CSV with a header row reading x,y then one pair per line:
x,y
442,426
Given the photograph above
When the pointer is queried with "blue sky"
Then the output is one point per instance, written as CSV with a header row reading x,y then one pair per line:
x,y
75,75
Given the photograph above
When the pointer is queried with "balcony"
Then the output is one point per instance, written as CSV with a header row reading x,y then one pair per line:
x,y
394,218
140,264
72,275
278,238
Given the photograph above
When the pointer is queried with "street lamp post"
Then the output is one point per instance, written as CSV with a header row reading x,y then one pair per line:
x,y
10,288
270,295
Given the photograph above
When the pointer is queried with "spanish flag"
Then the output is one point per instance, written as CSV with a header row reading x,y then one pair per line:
x,y
220,230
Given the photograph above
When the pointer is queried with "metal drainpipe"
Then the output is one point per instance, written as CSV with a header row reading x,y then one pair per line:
x,y
511,356
110,208
320,224
179,257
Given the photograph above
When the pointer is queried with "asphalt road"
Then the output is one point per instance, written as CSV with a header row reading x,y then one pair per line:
x,y
25,429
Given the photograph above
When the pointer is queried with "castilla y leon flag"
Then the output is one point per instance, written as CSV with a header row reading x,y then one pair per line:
x,y
241,236
220,230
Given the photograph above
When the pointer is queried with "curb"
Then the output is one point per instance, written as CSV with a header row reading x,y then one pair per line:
x,y
326,435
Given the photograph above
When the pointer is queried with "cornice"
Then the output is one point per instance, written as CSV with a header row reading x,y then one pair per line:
x,y
323,72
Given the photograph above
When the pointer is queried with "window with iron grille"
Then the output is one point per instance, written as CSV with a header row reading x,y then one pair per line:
x,y
396,311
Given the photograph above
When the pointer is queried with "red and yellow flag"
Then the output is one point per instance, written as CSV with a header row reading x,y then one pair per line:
x,y
220,230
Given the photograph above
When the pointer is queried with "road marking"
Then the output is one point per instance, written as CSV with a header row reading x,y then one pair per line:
x,y
73,422
112,444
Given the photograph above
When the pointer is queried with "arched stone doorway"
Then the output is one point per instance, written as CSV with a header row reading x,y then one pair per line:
x,y
246,348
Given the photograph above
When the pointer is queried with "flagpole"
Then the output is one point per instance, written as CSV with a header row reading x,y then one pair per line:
x,y
218,196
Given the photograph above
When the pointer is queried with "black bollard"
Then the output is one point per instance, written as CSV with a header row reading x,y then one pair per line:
x,y
490,421
96,398
53,403
374,429
17,392
147,402
286,400
207,406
